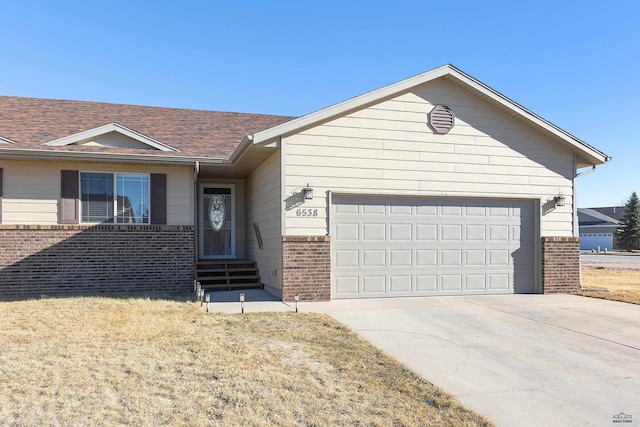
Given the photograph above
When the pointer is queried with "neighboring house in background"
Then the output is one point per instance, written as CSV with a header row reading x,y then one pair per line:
x,y
435,185
599,226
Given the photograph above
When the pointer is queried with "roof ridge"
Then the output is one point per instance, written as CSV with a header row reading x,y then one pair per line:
x,y
116,104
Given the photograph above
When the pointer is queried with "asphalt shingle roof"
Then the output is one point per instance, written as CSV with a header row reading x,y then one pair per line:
x,y
30,122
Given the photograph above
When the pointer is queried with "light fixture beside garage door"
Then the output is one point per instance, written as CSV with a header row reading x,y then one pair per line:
x,y
441,119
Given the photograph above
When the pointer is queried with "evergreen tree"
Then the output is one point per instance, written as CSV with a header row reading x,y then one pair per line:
x,y
629,233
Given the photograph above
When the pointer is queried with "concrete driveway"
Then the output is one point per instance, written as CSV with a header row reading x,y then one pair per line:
x,y
534,360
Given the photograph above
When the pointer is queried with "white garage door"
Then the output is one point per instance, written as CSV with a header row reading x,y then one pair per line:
x,y
386,247
590,241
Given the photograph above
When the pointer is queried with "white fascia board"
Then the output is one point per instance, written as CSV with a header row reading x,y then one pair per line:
x,y
241,149
108,157
3,139
528,114
348,105
341,108
111,127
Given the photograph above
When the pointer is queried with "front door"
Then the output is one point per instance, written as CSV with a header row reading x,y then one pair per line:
x,y
217,235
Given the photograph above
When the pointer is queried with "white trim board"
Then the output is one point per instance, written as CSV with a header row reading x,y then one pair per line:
x,y
111,127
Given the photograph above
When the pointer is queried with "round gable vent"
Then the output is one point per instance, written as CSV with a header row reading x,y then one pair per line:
x,y
441,119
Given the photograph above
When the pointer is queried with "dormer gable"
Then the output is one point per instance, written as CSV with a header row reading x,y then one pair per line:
x,y
111,135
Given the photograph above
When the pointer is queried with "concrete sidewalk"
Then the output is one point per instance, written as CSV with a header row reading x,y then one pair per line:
x,y
256,301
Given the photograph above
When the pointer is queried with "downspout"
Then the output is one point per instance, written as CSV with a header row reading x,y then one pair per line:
x,y
593,168
576,225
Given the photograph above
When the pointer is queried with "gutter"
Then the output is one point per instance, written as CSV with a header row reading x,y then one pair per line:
x,y
105,157
593,169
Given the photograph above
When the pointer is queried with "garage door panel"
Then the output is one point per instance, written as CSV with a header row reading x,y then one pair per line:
x,y
374,257
400,210
499,281
346,208
451,232
427,232
374,209
478,211
475,282
347,285
451,210
374,284
499,233
400,258
426,258
476,232
451,282
476,257
348,231
401,232
346,258
499,257
373,231
496,211
451,257
426,283
427,210
413,246
400,284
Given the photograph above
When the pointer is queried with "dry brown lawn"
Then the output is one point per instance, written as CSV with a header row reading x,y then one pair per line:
x,y
141,361
622,285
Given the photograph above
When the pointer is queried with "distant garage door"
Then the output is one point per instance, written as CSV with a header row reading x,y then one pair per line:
x,y
388,247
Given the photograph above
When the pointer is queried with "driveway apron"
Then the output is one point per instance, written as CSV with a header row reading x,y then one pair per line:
x,y
536,360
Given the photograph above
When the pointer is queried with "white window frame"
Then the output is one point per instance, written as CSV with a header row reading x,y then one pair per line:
x,y
115,196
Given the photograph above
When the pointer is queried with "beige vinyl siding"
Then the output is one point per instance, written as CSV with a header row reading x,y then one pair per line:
x,y
388,148
264,205
32,189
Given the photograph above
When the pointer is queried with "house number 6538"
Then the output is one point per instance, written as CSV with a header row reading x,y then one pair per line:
x,y
306,212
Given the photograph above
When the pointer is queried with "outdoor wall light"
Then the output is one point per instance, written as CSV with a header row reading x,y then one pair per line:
x,y
559,200
308,192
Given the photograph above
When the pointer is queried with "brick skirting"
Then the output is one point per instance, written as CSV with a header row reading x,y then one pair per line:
x,y
560,264
306,268
37,260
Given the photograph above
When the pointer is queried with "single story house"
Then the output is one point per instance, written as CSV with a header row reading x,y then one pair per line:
x,y
435,185
598,227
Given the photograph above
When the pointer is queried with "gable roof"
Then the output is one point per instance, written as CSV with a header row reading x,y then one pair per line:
x,y
30,123
587,216
589,154
615,213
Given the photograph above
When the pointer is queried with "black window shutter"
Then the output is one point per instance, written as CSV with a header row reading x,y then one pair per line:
x,y
0,195
158,198
69,197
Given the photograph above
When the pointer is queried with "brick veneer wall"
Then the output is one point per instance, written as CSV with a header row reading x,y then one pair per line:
x,y
38,260
560,264
306,268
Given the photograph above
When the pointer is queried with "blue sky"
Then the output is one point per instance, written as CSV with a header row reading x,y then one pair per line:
x,y
575,63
